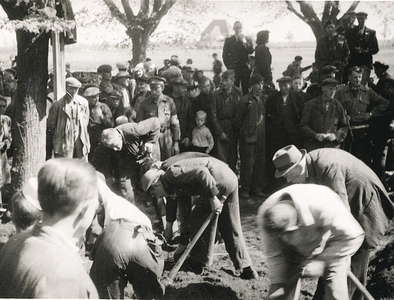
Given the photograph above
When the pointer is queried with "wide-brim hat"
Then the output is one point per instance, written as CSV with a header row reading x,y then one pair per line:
x,y
286,159
149,177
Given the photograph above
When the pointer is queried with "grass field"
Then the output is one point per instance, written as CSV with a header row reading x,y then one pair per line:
x,y
87,58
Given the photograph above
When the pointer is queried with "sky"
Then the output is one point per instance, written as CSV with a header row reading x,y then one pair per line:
x,y
244,11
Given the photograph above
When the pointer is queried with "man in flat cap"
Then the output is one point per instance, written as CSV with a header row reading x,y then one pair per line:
x,y
67,123
123,85
332,50
295,68
184,111
362,43
140,93
100,117
323,122
307,231
106,86
236,51
361,104
223,118
283,110
357,185
159,105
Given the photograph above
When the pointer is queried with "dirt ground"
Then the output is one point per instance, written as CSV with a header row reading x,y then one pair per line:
x,y
221,282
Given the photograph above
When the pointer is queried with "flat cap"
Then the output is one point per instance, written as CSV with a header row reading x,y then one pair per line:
x,y
73,82
122,66
123,74
298,58
149,177
256,78
284,79
329,69
361,13
351,13
115,94
329,82
142,78
187,68
228,74
91,91
179,81
104,69
157,80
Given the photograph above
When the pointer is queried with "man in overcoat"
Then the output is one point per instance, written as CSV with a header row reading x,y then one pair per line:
x,y
67,123
357,185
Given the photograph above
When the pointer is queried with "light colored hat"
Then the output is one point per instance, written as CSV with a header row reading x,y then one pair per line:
x,y
123,74
149,177
92,91
281,217
29,191
73,82
122,65
286,159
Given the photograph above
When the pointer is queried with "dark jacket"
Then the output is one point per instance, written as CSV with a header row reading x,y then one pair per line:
x,y
236,53
357,185
362,46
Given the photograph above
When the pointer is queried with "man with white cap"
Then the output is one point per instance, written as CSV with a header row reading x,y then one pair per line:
x,y
357,185
67,123
306,230
100,117
210,179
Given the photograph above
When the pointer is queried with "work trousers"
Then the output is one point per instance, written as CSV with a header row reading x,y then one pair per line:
x,y
126,252
229,225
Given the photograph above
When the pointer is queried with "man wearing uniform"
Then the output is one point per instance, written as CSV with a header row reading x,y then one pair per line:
x,y
163,107
361,104
211,179
362,43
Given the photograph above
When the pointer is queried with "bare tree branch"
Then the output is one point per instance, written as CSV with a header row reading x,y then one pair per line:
x,y
128,11
115,12
293,10
353,6
144,9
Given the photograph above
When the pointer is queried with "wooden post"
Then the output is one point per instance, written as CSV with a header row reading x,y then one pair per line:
x,y
59,67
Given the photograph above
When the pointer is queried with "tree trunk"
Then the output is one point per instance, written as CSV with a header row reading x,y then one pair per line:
x,y
139,45
29,107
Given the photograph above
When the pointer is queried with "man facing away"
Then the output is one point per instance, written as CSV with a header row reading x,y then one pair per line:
x,y
44,262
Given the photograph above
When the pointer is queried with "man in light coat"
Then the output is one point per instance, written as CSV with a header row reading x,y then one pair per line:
x,y
67,123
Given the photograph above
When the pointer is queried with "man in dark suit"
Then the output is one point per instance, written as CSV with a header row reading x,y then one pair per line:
x,y
283,116
211,179
362,43
357,185
236,52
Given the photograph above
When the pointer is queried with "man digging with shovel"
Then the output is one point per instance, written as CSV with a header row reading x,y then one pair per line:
x,y
210,179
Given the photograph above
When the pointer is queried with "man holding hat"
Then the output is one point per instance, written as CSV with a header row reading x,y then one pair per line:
x,y
324,120
331,50
159,105
357,185
362,43
184,111
307,231
283,111
211,179
100,117
67,123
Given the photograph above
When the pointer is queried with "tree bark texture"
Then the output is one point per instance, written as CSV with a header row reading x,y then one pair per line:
x,y
29,107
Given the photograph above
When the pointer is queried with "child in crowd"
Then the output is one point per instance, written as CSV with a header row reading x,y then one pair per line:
x,y
298,85
202,139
